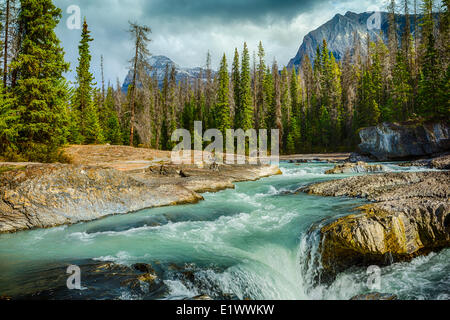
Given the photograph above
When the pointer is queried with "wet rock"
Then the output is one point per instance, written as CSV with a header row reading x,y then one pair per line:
x,y
148,277
299,161
359,167
356,157
410,217
214,167
183,174
417,163
441,163
375,296
203,297
163,170
386,186
394,141
143,267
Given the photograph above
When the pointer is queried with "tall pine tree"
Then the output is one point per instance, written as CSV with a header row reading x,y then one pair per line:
x,y
40,94
223,121
246,104
84,105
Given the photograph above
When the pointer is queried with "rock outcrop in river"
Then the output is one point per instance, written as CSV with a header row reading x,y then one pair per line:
x,y
441,163
409,216
41,196
393,141
359,167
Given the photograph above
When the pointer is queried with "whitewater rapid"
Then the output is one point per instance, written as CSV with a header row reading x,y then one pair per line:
x,y
250,243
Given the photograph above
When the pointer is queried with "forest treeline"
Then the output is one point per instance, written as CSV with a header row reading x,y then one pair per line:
x,y
318,107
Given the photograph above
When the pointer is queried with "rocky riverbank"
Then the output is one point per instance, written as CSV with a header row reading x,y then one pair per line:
x,y
42,196
409,216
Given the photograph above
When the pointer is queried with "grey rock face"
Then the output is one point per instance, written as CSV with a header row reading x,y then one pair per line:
x,y
392,141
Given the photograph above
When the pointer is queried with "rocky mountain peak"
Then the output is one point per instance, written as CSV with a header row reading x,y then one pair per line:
x,y
339,34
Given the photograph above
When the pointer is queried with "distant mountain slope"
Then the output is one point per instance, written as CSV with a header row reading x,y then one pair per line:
x,y
338,32
159,63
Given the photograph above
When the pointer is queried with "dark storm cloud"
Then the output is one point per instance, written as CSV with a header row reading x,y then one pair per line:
x,y
255,11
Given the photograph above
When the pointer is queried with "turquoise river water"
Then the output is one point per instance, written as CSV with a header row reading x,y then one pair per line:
x,y
251,242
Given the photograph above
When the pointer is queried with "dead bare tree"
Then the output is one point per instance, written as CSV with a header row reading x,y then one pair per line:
x,y
140,35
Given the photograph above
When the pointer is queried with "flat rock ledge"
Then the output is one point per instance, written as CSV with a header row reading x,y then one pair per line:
x,y
43,196
358,167
409,216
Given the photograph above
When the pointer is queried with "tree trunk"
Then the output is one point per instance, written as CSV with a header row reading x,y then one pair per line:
x,y
5,57
133,87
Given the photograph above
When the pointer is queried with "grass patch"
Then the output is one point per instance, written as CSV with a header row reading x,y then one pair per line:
x,y
4,169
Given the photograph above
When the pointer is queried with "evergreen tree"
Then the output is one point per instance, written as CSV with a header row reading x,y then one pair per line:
x,y
325,127
236,80
8,127
295,130
92,129
277,107
170,105
188,114
84,106
368,109
268,100
295,94
285,101
223,121
260,90
40,94
402,90
111,126
430,77
246,107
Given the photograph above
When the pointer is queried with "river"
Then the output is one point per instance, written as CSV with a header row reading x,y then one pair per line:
x,y
248,243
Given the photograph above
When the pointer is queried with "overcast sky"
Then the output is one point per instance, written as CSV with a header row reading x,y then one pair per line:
x,y
184,30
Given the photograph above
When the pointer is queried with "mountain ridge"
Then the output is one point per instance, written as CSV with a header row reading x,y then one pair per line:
x,y
339,34
158,64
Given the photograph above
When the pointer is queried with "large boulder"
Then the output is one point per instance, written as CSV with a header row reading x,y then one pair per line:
x,y
409,216
394,141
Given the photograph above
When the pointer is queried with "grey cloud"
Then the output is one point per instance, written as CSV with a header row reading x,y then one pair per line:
x,y
184,30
